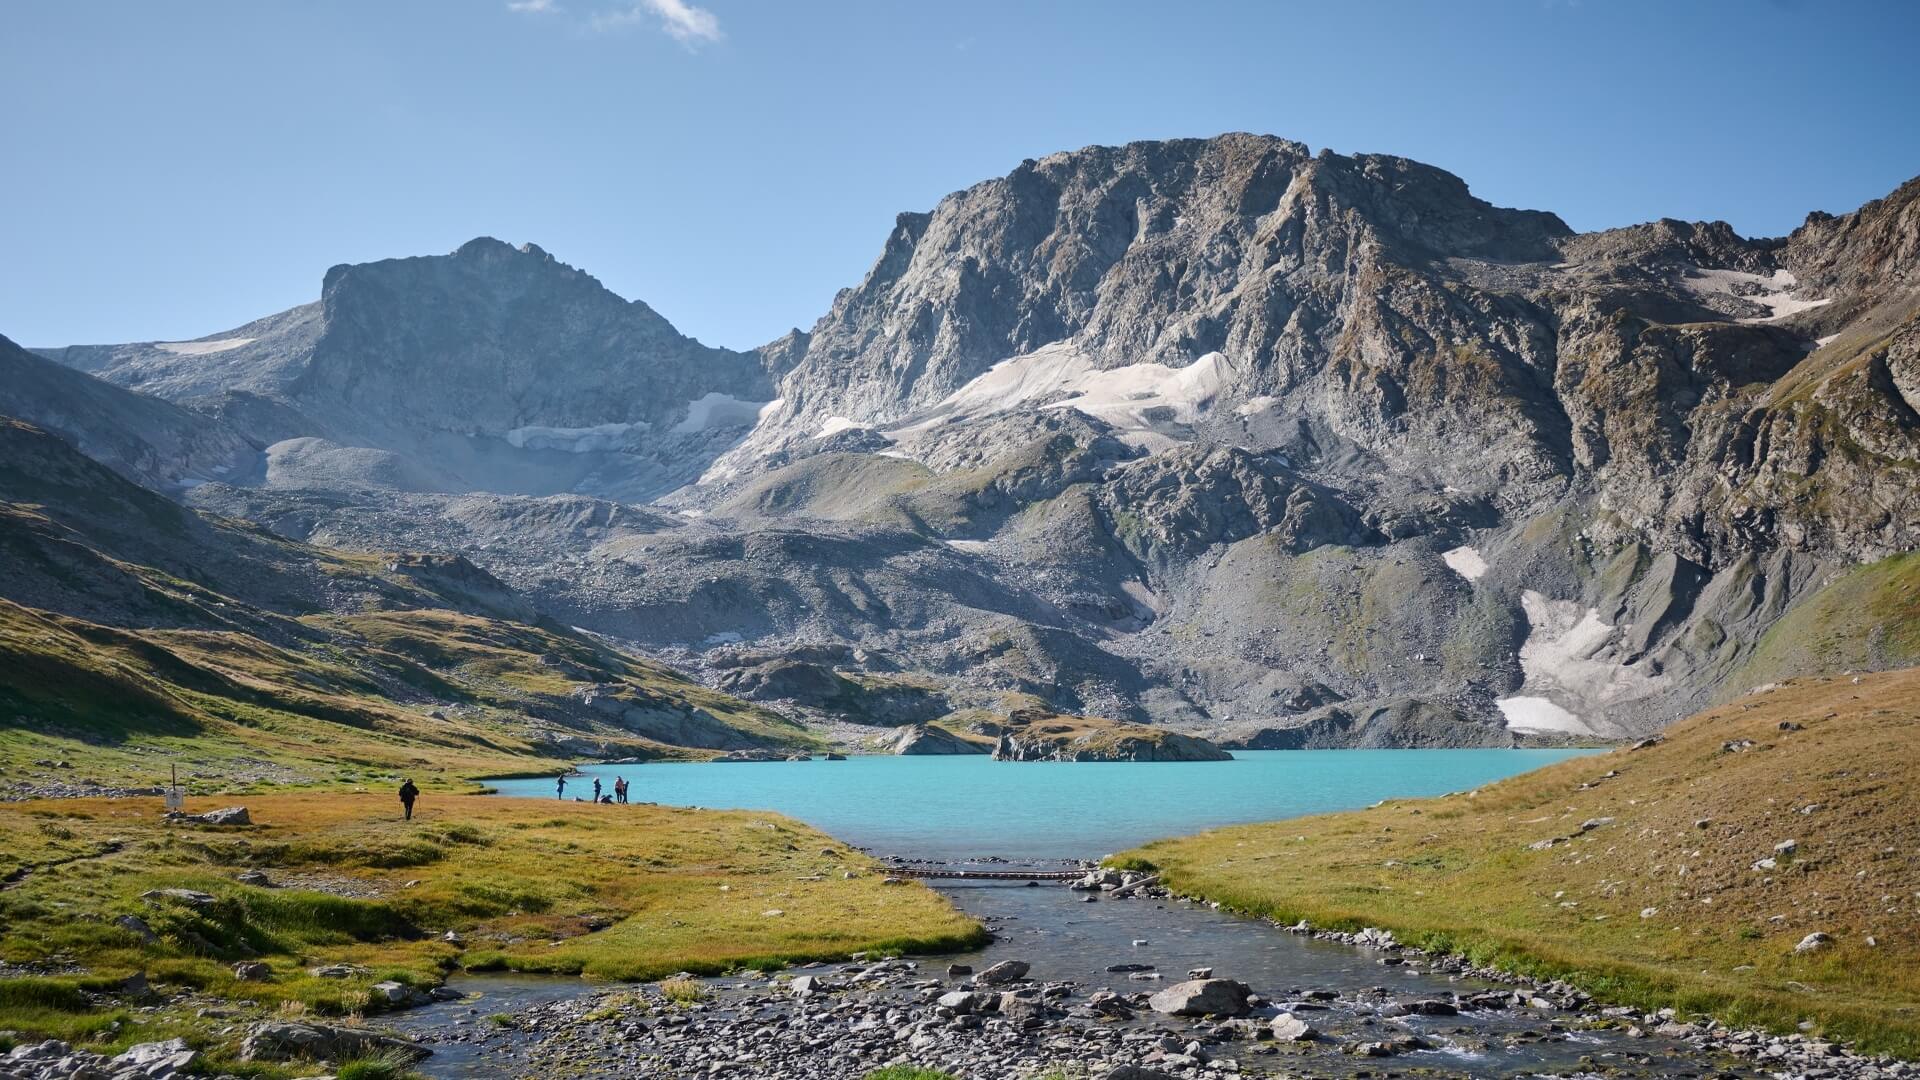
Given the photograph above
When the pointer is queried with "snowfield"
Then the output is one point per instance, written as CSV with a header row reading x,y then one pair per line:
x,y
1538,715
1567,655
1138,399
1772,293
201,348
724,411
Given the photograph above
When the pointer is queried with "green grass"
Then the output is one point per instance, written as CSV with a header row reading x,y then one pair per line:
x,y
683,991
375,1068
1866,619
628,892
1717,936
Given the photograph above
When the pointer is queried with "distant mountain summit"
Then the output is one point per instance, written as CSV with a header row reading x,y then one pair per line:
x,y
492,368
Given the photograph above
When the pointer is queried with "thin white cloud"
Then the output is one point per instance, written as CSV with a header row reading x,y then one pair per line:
x,y
533,7
689,25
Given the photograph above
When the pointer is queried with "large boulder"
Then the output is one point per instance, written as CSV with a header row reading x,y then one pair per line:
x,y
1004,972
283,1040
1202,997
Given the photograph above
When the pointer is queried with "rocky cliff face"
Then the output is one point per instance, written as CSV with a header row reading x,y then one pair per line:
x,y
1307,449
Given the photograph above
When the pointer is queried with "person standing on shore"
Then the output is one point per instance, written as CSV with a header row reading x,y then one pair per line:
x,y
596,789
408,793
560,787
620,789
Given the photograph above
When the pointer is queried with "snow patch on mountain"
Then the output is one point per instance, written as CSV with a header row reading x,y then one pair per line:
x,y
715,410
202,348
1569,654
1535,715
1465,561
1134,398
1771,292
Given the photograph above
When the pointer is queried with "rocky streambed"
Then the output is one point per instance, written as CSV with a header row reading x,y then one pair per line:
x,y
1095,985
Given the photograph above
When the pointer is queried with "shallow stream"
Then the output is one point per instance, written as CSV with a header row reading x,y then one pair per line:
x,y
960,809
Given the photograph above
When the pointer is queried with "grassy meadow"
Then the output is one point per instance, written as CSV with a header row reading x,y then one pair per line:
x,y
1642,874
607,892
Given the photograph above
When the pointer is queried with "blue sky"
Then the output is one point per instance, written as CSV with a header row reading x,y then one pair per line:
x,y
173,169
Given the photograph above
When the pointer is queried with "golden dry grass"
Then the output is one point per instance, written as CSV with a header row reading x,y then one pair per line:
x,y
1651,907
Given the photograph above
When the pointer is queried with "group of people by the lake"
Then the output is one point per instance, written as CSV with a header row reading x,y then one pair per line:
x,y
619,794
409,793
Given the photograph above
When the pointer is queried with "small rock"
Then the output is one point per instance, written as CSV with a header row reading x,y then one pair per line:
x,y
137,926
1814,942
1289,1028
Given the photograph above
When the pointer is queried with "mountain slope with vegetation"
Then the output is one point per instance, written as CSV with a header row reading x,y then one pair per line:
x,y
135,633
1759,863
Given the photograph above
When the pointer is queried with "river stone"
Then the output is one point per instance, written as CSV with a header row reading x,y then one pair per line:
x,y
1375,938
963,1001
1135,1072
1289,1028
1004,972
282,1040
1202,997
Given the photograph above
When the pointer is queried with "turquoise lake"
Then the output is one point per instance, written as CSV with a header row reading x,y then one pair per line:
x,y
955,808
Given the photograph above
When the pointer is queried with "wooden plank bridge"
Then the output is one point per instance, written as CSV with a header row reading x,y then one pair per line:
x,y
987,875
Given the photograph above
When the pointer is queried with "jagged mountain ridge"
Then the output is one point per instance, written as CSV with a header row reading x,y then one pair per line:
x,y
1375,300
1222,432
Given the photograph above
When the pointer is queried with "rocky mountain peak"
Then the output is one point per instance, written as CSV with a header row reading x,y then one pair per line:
x,y
1149,252
1875,247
